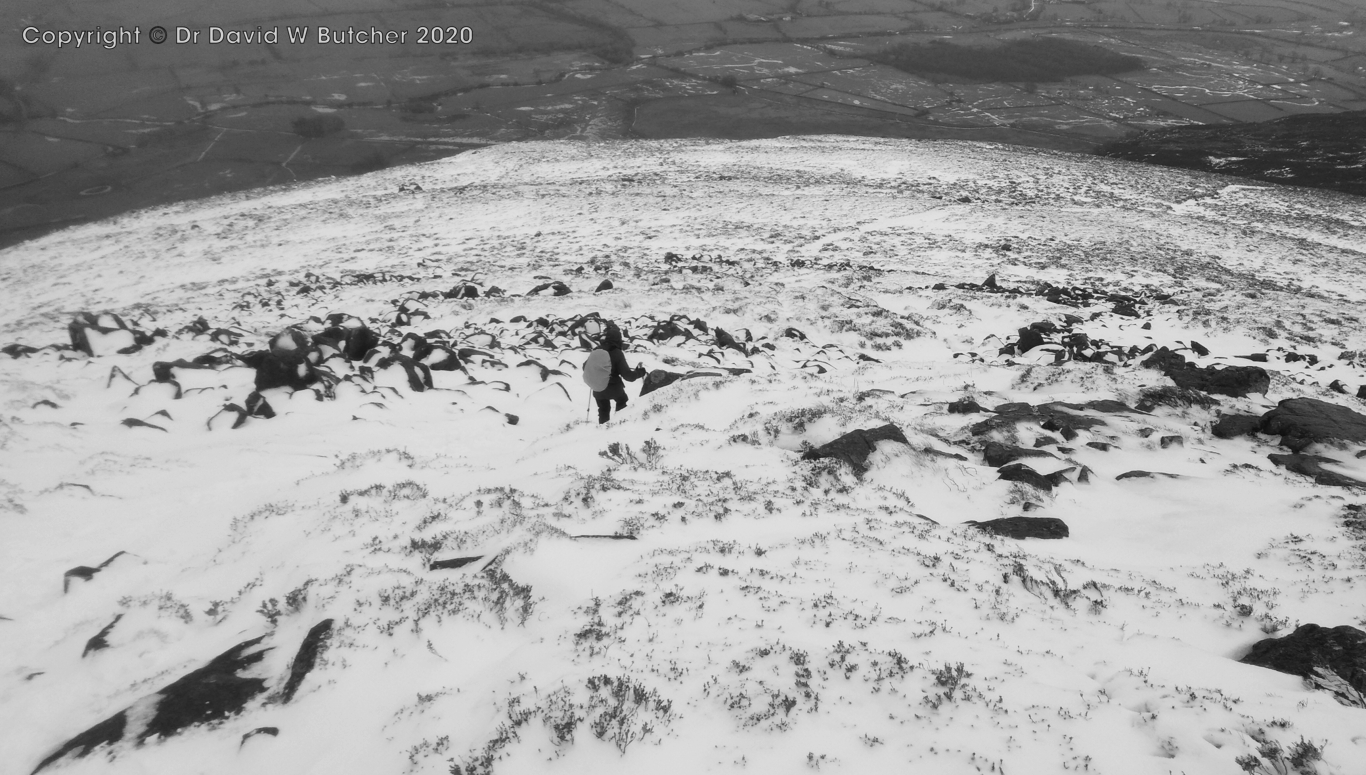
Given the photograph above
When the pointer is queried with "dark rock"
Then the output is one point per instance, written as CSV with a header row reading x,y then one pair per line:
x,y
855,446
419,375
667,329
996,454
1312,466
659,378
965,406
99,642
457,562
18,350
605,285
937,453
1254,357
1361,392
1199,349
85,572
306,659
1029,339
611,536
1337,387
288,363
272,731
46,403
107,732
1231,426
1019,472
1340,649
1100,445
1304,421
133,422
211,693
793,333
1025,527
1171,441
1145,475
725,340
87,328
559,288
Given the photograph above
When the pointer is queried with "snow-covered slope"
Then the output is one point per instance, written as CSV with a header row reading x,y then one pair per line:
x,y
680,590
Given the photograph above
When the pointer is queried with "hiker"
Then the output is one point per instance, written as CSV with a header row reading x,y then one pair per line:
x,y
611,371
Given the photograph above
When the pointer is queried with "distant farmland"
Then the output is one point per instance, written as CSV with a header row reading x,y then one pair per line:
x,y
1031,59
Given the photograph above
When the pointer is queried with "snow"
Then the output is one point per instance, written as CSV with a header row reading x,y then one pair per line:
x,y
771,614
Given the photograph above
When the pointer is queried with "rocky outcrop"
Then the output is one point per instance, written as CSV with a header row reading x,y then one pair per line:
x,y
85,572
1234,381
100,641
1025,527
996,454
1341,650
1019,472
659,378
1312,467
211,693
1304,421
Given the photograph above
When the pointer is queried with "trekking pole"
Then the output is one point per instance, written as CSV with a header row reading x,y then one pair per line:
x,y
588,414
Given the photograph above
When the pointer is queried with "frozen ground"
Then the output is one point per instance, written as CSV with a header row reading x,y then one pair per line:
x,y
732,607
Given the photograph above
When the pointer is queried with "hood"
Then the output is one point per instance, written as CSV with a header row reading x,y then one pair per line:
x,y
611,338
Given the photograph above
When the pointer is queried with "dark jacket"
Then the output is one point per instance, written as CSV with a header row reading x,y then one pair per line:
x,y
611,342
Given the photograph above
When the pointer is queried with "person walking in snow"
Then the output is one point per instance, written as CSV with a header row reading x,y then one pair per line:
x,y
615,389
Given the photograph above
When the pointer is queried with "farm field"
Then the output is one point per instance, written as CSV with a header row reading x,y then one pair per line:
x,y
80,129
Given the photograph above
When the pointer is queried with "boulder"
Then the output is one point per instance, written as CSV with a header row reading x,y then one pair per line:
x,y
1029,339
290,362
1231,426
605,285
1025,527
1340,649
965,406
1312,466
1138,474
1304,421
855,446
211,693
306,658
1019,472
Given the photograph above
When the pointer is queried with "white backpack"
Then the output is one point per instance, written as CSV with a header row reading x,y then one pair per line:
x,y
597,370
